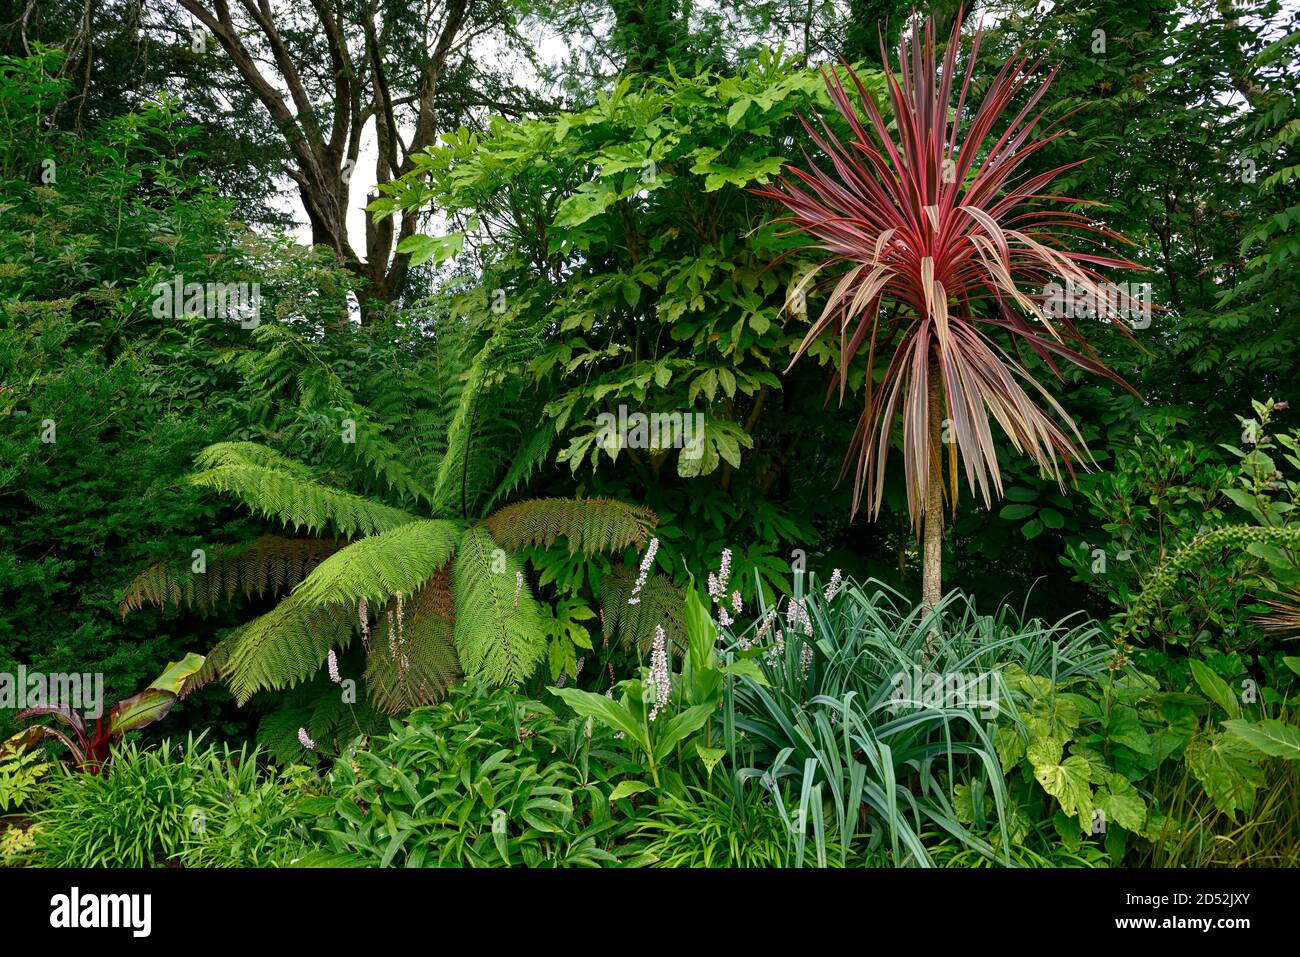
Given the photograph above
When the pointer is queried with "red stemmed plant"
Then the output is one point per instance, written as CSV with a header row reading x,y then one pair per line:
x,y
949,245
90,748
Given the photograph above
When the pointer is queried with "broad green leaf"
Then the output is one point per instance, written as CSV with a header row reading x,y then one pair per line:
x,y
1215,688
1275,738
626,789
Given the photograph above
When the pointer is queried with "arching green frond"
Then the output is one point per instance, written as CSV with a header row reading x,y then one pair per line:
x,y
285,646
235,453
269,564
487,426
400,559
530,458
591,525
660,603
214,664
294,499
385,460
499,629
416,663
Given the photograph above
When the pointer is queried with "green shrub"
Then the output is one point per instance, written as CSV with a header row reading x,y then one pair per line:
x,y
481,780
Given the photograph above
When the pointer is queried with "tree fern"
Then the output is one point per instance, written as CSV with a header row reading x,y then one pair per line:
x,y
590,525
288,493
416,663
499,628
269,564
398,560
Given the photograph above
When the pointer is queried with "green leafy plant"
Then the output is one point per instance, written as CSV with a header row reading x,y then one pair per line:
x,y
150,808
704,829
844,727
21,778
482,779
656,714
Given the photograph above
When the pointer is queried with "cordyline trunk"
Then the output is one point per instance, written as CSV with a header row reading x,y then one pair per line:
x,y
932,556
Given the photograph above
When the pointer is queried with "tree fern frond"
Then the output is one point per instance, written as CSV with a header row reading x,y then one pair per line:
x,y
214,664
237,453
295,499
530,458
319,709
285,646
591,525
385,460
416,663
660,603
485,427
499,628
270,563
400,559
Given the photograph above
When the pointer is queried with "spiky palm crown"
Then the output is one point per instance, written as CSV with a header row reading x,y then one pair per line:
x,y
944,228
439,583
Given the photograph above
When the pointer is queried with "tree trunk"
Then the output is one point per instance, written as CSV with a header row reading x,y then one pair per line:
x,y
932,557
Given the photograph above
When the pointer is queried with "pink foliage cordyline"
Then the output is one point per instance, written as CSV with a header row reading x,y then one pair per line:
x,y
947,245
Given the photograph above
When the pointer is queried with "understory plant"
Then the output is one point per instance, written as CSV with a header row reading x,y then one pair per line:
x,y
1107,750
482,779
875,725
194,803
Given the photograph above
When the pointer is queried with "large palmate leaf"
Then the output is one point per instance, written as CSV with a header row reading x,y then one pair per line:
x,y
940,252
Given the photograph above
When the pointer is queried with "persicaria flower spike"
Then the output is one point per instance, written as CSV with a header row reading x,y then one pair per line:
x,y
643,572
659,674
306,740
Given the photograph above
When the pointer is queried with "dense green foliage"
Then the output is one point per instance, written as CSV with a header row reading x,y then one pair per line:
x,y
507,532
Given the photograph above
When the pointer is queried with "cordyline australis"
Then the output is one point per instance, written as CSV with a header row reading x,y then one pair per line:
x,y
939,228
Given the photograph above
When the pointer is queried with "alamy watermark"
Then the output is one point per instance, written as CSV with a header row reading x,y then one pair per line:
x,y
658,430
24,689
1126,300
240,301
945,690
